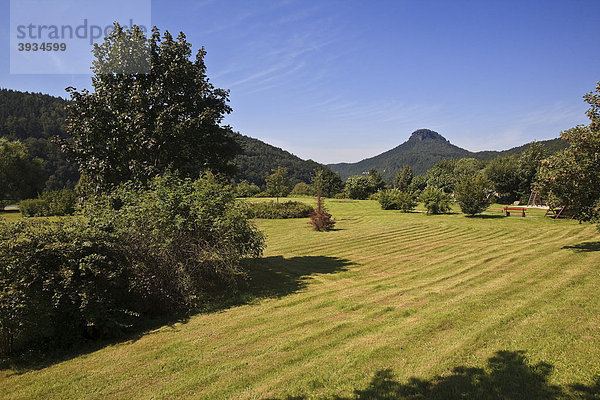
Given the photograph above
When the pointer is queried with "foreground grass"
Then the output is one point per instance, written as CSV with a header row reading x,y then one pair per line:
x,y
389,305
11,216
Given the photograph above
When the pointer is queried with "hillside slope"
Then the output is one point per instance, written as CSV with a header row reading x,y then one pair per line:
x,y
35,118
259,158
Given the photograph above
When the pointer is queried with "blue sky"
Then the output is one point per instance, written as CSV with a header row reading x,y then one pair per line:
x,y
345,80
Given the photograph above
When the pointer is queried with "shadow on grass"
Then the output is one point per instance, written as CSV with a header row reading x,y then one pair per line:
x,y
585,247
268,277
484,216
47,354
508,376
276,276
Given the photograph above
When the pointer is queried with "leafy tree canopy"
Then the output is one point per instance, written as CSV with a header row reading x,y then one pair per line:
x,y
572,176
278,184
473,193
328,181
20,175
403,178
137,125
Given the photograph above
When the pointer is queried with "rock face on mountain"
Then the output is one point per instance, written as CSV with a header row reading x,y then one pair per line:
x,y
424,134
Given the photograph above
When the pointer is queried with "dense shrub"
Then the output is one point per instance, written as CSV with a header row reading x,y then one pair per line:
x,y
60,280
33,207
435,200
184,238
272,210
358,187
302,189
397,200
374,196
473,194
245,189
61,202
138,251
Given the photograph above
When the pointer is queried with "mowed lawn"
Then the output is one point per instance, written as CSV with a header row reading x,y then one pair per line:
x,y
389,305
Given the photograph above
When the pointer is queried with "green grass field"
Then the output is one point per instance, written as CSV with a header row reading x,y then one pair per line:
x,y
389,305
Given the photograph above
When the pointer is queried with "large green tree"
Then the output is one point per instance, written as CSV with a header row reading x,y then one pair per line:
x,y
403,178
572,177
472,193
441,175
328,181
358,187
152,109
528,164
20,175
278,184
504,174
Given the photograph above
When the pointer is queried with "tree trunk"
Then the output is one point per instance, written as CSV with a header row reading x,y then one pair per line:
x,y
6,342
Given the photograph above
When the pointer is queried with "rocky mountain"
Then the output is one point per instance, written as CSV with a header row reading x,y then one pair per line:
x,y
421,151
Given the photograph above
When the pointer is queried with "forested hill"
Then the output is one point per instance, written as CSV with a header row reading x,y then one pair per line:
x,y
26,115
552,146
259,158
421,151
35,118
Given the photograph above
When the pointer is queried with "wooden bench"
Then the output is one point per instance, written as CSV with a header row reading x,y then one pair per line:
x,y
507,210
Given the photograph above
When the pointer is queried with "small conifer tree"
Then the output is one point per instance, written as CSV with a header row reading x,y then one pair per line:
x,y
320,219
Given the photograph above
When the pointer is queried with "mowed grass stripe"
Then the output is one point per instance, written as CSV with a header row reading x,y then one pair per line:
x,y
420,295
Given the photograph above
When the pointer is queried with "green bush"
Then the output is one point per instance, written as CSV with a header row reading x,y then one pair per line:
x,y
138,252
185,238
60,281
435,200
302,189
272,210
60,202
473,194
245,189
34,207
375,196
393,199
358,187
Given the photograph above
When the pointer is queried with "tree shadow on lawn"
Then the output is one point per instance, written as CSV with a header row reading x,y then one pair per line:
x,y
276,276
508,376
585,247
485,216
268,277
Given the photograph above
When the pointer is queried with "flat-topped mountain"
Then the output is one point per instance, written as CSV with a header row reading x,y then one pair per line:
x,y
421,151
